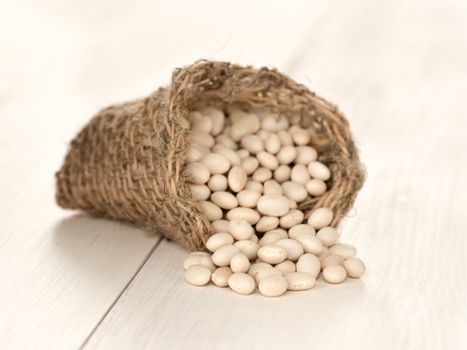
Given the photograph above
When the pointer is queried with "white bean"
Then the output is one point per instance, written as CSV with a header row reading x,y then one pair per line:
x,y
198,275
267,160
217,183
282,173
221,275
250,164
237,178
294,248
273,205
327,235
254,186
305,155
273,286
309,263
242,283
354,267
343,250
212,211
310,243
223,255
262,174
286,267
266,272
272,237
334,274
294,191
272,187
226,141
248,198
239,263
252,143
319,171
272,254
256,267
217,117
243,126
267,223
248,247
316,187
240,229
199,174
220,225
273,144
299,229
286,155
200,192
203,125
215,163
247,214
294,217
299,174
301,136
285,138
218,240
300,281
320,218
228,153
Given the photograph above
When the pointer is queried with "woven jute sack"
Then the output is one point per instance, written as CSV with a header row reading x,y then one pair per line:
x,y
128,162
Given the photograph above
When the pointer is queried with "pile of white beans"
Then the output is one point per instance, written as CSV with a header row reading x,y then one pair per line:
x,y
250,172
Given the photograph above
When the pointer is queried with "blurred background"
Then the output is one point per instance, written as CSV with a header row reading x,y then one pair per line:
x,y
397,69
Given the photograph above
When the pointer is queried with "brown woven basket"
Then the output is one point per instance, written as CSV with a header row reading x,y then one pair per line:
x,y
128,162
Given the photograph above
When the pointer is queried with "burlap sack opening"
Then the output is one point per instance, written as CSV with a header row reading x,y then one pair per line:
x,y
128,162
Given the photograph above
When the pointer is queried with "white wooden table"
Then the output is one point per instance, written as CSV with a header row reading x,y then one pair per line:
x,y
398,69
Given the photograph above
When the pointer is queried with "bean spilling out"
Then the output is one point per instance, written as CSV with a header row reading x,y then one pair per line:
x,y
250,172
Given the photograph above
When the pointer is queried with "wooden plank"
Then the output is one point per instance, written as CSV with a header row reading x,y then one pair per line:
x,y
399,71
61,62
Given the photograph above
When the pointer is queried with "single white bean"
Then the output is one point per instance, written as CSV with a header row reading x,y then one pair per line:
x,y
212,211
309,263
319,171
223,255
242,283
248,247
237,178
282,173
252,143
272,187
243,153
221,275
272,254
293,248
262,174
220,225
334,274
294,217
299,229
198,275
273,286
240,229
218,240
267,223
217,183
354,267
320,217
267,160
286,155
254,186
272,144
200,192
343,250
300,281
248,198
217,117
239,263
215,163
294,191
327,235
203,125
299,174
286,267
301,136
272,237
273,205
285,138
316,187
310,243
250,164
244,126
247,214
199,174
305,155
